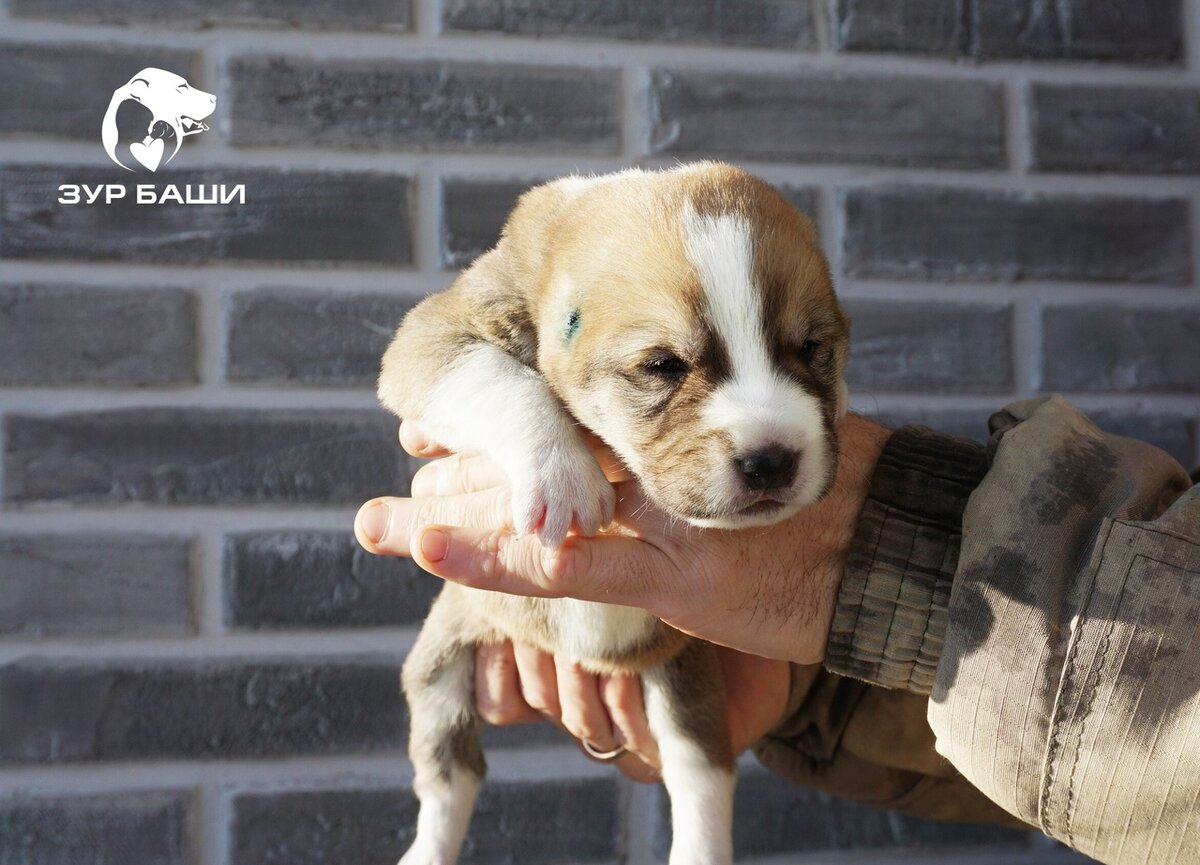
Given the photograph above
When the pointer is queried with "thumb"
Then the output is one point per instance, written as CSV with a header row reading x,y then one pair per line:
x,y
607,568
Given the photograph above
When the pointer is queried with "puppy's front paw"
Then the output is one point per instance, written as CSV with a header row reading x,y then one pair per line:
x,y
567,486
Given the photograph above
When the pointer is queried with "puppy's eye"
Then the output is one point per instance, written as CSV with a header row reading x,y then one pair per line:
x,y
808,350
667,366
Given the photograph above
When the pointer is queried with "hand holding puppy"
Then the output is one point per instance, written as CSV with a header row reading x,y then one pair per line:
x,y
768,591
765,593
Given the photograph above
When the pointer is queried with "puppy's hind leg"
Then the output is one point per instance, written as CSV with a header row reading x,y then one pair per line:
x,y
685,705
443,746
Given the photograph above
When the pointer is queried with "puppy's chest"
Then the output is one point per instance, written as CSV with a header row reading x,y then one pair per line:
x,y
589,631
605,638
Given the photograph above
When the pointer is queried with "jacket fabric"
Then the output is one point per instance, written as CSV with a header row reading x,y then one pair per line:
x,y
1017,639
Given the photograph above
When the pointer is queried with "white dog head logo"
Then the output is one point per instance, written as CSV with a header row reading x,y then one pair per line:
x,y
169,108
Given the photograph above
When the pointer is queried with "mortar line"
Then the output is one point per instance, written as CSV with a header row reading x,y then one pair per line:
x,y
402,161
208,557
427,228
577,51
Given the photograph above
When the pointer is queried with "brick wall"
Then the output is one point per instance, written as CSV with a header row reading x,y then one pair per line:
x,y
196,663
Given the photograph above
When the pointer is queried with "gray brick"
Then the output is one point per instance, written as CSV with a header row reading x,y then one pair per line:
x,y
347,14
561,821
94,585
293,579
288,217
1150,130
192,456
473,212
773,816
912,26
63,90
963,423
936,347
305,338
806,199
117,828
54,335
1105,348
423,104
68,711
766,23
1150,31
907,232
1174,433
892,120
943,348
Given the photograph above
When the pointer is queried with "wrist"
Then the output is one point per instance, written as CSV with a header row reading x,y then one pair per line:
x,y
890,616
829,526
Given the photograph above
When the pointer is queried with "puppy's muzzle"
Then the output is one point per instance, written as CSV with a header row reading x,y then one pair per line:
x,y
768,469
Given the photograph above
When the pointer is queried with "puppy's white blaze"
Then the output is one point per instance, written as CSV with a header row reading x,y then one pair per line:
x,y
721,248
757,407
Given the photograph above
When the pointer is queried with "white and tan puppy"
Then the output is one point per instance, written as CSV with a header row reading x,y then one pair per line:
x,y
688,319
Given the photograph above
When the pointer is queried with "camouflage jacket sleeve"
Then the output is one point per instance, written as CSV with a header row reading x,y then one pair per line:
x,y
1035,604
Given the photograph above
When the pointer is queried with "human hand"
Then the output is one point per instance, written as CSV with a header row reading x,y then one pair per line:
x,y
765,591
516,683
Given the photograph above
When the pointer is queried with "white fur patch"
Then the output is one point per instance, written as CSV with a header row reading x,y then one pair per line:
x,y
493,403
445,807
757,407
443,819
590,630
701,793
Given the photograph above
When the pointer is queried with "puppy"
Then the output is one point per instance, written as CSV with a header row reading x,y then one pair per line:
x,y
686,317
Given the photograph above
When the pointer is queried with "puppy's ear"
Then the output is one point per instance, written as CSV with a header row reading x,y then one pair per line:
x,y
525,241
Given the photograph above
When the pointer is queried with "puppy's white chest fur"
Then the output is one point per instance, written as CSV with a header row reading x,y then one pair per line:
x,y
587,630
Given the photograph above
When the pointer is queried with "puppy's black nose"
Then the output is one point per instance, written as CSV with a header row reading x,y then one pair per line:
x,y
768,469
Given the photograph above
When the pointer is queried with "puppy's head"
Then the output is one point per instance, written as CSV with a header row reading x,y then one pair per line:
x,y
688,318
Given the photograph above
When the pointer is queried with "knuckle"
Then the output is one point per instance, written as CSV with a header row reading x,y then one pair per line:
x,y
564,567
499,714
539,697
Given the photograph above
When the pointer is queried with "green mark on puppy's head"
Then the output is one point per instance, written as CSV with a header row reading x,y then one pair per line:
x,y
572,325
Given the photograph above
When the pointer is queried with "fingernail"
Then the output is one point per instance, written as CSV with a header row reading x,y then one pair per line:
x,y
434,544
374,522
425,483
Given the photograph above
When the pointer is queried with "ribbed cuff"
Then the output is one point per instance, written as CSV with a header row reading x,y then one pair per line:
x,y
890,620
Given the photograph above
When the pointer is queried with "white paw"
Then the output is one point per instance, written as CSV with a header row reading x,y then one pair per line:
x,y
561,486
418,855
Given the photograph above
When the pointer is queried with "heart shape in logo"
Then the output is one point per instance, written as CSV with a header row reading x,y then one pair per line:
x,y
149,155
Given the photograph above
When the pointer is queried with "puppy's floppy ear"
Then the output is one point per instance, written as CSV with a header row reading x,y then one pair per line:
x,y
524,242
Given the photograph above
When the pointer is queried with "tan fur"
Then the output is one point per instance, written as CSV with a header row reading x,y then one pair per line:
x,y
612,249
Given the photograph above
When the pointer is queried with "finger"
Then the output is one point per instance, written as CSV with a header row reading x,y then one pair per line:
x,y
632,766
622,698
498,687
417,442
456,474
538,679
611,569
583,714
385,525
757,692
